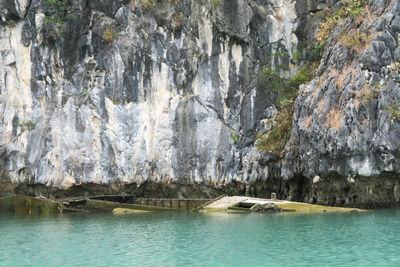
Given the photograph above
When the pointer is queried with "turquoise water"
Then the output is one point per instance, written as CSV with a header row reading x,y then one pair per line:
x,y
369,239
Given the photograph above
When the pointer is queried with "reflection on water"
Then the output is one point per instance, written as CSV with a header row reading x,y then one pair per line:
x,y
215,239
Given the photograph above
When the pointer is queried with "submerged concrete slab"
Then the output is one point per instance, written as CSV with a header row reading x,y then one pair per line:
x,y
229,201
122,211
226,203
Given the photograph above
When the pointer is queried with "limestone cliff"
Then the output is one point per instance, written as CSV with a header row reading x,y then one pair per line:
x,y
165,92
135,91
346,128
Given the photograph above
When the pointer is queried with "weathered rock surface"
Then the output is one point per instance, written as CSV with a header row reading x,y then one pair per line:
x,y
170,95
342,123
343,129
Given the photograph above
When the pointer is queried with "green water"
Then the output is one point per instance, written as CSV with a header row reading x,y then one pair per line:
x,y
369,239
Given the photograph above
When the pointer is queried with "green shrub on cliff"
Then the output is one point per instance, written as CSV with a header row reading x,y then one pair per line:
x,y
57,12
58,4
148,3
303,76
152,3
274,140
234,135
215,3
394,110
316,51
109,34
85,93
285,88
28,124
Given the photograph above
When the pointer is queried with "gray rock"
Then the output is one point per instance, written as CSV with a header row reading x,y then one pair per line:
x,y
13,9
269,207
122,93
352,132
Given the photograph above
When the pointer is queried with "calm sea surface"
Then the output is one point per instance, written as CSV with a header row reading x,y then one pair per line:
x,y
369,239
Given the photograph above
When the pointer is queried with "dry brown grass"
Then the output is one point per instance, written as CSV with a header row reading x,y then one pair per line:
x,y
357,102
109,34
356,40
314,94
359,19
364,123
178,20
278,15
308,122
370,92
371,17
148,3
334,118
332,73
342,76
321,105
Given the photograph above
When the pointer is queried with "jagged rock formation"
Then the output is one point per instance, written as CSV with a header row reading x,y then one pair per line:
x,y
346,125
120,91
166,94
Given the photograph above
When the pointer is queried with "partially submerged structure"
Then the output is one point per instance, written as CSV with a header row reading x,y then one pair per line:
x,y
128,204
249,204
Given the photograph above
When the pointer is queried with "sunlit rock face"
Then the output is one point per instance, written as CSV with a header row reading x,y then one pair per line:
x,y
119,91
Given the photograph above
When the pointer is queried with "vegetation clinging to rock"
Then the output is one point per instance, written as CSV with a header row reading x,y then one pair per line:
x,y
349,8
28,124
215,2
286,90
394,110
152,3
274,140
109,34
355,39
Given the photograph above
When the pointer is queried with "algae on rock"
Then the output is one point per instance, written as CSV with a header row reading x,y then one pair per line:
x,y
23,205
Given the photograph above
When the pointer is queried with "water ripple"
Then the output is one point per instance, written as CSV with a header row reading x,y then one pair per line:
x,y
202,240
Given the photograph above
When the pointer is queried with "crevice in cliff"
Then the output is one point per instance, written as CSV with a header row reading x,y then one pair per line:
x,y
27,9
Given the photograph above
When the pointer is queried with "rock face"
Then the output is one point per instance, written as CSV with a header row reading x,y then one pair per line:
x,y
346,125
131,91
342,120
168,92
